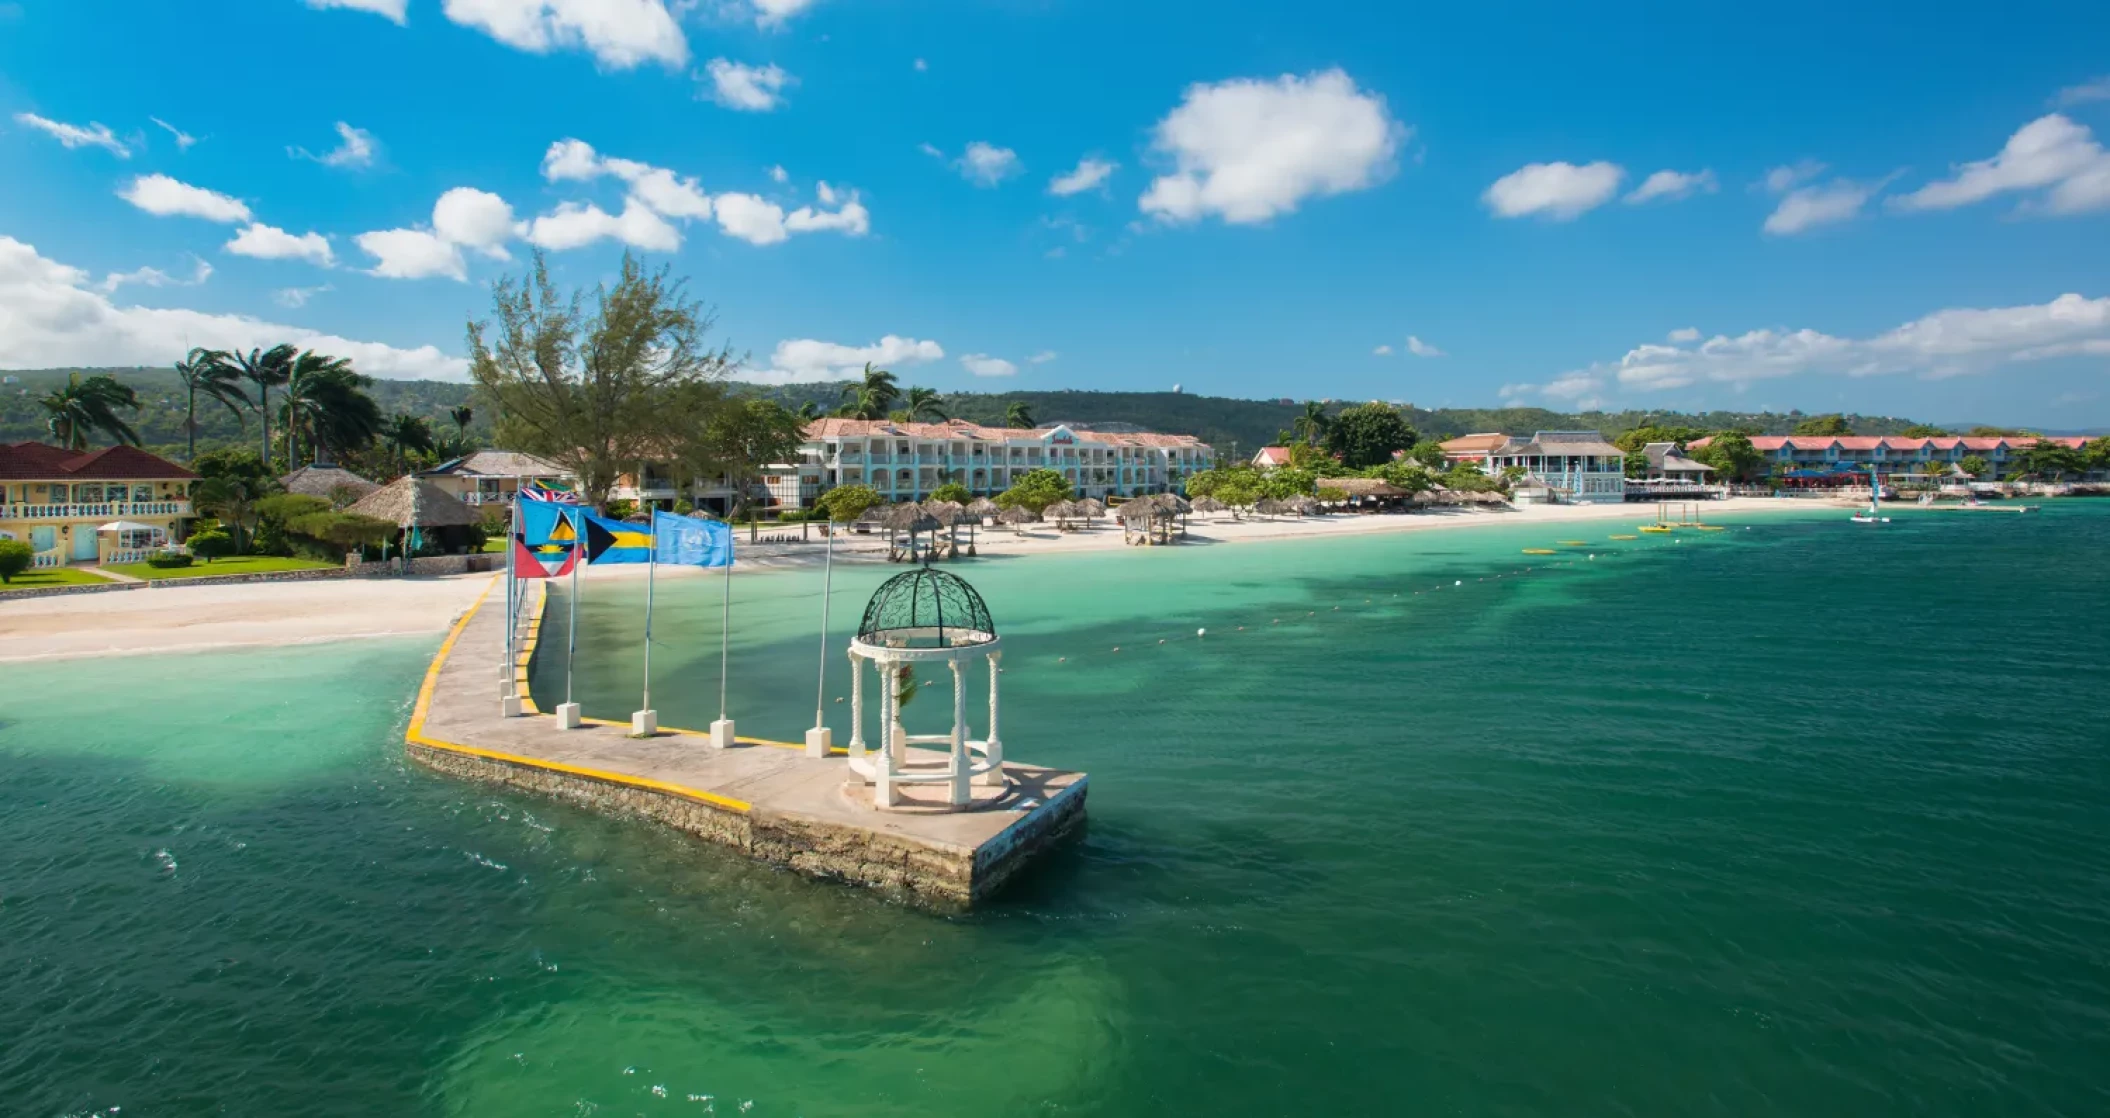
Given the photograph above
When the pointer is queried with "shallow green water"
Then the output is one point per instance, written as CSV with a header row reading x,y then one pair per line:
x,y
1805,819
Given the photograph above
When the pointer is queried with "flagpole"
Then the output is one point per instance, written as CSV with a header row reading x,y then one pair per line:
x,y
651,571
725,624
820,691
568,716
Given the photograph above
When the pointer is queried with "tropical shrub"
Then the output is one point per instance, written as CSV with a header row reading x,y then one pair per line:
x,y
952,491
15,557
163,561
211,543
846,503
621,510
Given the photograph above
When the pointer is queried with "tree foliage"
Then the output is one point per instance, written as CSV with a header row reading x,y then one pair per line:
x,y
1732,455
1923,431
1036,490
2051,460
1368,434
205,372
742,437
952,491
871,398
598,390
846,503
15,558
83,408
1819,426
327,410
1975,465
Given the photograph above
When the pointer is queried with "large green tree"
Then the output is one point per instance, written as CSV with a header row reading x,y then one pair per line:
x,y
1368,435
870,398
598,390
924,404
207,373
1017,414
745,436
2052,460
326,403
405,435
1639,437
85,407
1732,455
1036,490
1311,425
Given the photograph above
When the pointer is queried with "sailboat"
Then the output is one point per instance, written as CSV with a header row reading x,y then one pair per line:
x,y
1874,514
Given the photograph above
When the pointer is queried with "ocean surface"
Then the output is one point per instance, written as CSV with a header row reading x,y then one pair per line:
x,y
1797,818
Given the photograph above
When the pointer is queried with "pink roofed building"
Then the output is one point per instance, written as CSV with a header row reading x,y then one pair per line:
x,y
1851,457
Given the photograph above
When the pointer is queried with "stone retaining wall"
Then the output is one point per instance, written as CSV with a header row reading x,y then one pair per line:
x,y
7,595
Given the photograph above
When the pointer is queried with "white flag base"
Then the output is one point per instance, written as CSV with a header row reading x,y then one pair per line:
x,y
644,723
722,734
567,716
819,740
509,706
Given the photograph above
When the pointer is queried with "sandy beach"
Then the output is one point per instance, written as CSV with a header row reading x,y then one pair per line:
x,y
191,618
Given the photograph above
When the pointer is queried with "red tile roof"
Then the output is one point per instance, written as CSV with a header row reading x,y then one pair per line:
x,y
1475,445
833,427
44,462
1899,443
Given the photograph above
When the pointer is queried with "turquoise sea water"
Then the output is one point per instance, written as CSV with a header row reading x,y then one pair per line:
x,y
1805,819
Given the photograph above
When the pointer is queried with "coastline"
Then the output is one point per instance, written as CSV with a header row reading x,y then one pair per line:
x,y
267,614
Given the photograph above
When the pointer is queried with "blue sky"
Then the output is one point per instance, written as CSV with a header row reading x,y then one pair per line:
x,y
1890,208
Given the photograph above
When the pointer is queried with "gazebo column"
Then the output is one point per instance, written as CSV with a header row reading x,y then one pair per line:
x,y
994,747
883,794
962,791
857,707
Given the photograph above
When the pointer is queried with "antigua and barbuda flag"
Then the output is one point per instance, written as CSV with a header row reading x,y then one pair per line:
x,y
546,561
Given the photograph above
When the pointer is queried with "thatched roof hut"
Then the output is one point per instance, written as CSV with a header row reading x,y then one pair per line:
x,y
946,513
414,502
908,516
329,481
1089,508
1363,487
982,507
1268,506
1060,512
1302,504
1017,515
1209,504
1142,510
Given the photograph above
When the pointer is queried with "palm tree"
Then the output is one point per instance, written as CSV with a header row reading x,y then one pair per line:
x,y
405,435
206,372
1018,415
1312,425
87,406
461,414
873,397
925,402
265,368
808,412
327,401
232,500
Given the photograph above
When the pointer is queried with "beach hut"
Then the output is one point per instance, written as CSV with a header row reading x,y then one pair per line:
x,y
329,481
430,519
906,519
1366,494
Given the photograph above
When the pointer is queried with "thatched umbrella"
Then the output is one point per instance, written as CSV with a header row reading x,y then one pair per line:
x,y
1268,506
1016,516
1137,516
1424,498
948,514
1209,504
982,509
906,517
413,503
329,481
1060,512
1089,508
1303,504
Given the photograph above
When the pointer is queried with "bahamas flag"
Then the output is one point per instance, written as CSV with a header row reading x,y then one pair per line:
x,y
612,541
690,542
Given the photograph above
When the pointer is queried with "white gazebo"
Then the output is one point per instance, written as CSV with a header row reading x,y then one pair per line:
x,y
924,617
129,541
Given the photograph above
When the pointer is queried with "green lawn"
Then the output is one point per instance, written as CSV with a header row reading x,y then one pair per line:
x,y
232,565
54,576
495,544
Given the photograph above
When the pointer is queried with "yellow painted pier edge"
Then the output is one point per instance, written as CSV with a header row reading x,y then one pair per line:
x,y
416,733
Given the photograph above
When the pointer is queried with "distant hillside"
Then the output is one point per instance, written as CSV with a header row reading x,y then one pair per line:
x,y
1225,423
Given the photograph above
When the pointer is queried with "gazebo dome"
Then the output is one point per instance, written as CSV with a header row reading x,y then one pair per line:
x,y
926,608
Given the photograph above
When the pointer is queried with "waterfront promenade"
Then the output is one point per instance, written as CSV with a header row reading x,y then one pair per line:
x,y
767,800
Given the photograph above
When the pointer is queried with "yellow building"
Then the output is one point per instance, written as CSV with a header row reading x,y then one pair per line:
x,y
112,505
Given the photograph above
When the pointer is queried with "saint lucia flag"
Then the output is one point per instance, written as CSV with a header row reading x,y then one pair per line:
x,y
542,522
690,542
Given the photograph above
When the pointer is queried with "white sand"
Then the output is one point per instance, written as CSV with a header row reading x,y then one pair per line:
x,y
174,618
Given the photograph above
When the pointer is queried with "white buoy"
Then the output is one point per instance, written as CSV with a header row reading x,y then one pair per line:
x,y
1460,582
1201,632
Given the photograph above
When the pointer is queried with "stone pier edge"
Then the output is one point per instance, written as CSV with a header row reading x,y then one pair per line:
x,y
921,872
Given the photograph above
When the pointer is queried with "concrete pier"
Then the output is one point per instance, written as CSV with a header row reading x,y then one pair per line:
x,y
776,802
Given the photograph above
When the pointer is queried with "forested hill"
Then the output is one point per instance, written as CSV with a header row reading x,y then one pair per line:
x,y
1221,421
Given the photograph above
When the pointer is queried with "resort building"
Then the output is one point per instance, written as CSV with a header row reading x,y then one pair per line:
x,y
104,506
905,461
1271,457
1573,465
1473,449
1671,473
1840,460
492,477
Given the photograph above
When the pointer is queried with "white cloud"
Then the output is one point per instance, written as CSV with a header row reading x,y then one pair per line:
x,y
1685,334
1673,185
297,297
391,9
755,89
983,365
155,277
163,196
805,359
662,191
824,192
355,149
50,315
74,136
183,139
1089,172
1946,343
412,254
1560,191
1247,150
576,225
779,175
752,219
1043,357
852,219
1811,206
474,219
620,34
267,242
2095,89
985,164
2051,151
1381,351
1420,348
1780,180
773,13
930,149
921,65
571,160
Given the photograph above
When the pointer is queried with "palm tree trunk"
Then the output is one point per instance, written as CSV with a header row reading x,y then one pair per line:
x,y
190,423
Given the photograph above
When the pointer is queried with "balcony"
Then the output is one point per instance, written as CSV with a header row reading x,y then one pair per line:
x,y
105,511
